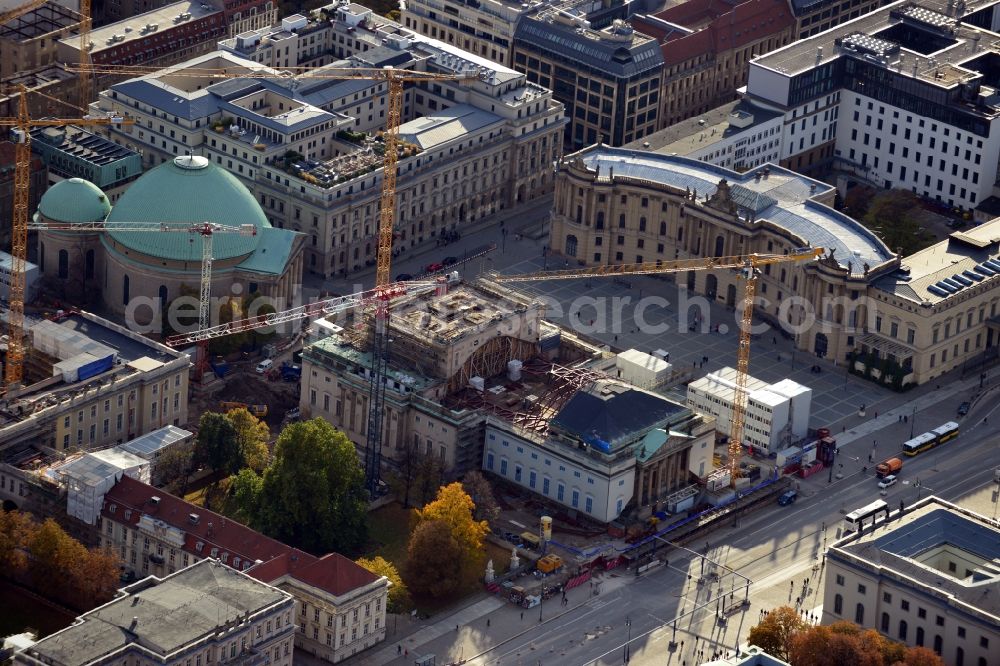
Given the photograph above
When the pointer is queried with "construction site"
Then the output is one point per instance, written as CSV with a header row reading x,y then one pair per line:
x,y
481,359
89,383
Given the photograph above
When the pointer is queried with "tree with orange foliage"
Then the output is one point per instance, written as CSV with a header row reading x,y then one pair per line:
x,y
455,508
16,530
61,567
774,633
918,655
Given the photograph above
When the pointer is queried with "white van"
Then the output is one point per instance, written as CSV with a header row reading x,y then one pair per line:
x,y
264,366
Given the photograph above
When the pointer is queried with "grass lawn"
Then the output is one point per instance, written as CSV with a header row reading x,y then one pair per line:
x,y
388,532
215,493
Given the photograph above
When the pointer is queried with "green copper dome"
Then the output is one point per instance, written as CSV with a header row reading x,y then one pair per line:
x,y
188,189
75,200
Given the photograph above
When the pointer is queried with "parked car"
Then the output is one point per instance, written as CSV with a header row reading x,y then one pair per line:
x,y
448,261
887,481
292,414
963,409
788,497
264,366
404,277
431,268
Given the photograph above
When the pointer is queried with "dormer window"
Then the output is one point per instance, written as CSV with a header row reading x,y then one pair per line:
x,y
113,508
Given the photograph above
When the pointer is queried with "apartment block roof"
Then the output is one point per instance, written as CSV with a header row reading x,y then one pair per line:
x,y
780,196
619,50
922,38
447,125
138,27
159,616
333,572
704,130
269,558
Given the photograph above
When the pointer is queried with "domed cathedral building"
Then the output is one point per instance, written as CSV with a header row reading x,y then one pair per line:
x,y
121,266
615,205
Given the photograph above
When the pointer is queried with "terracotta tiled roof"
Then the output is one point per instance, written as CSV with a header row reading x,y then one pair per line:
x,y
333,572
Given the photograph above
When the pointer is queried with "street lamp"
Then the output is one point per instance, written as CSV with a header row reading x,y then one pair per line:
x,y
913,420
625,654
541,598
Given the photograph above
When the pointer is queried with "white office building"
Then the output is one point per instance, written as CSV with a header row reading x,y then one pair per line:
x,y
777,415
903,97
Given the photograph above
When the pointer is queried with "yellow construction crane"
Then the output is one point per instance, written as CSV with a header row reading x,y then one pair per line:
x,y
21,127
12,14
395,79
83,81
748,266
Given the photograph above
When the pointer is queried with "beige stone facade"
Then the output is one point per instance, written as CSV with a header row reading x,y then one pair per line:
x,y
876,310
480,146
339,606
149,391
430,360
484,28
605,215
923,577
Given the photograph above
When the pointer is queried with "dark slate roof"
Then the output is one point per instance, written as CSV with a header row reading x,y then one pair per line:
x,y
938,527
616,58
895,546
802,6
623,413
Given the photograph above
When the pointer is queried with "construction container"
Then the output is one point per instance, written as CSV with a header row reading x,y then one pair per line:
x,y
549,563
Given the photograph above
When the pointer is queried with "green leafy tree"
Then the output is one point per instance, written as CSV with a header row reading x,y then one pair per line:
x,y
399,596
434,560
217,445
895,216
251,437
313,493
175,465
774,633
245,493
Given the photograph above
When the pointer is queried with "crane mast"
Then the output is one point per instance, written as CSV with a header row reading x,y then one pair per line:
x,y
206,230
19,244
747,266
394,79
21,126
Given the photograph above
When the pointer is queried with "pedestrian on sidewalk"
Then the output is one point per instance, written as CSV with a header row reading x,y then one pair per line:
x,y
399,650
522,615
487,622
